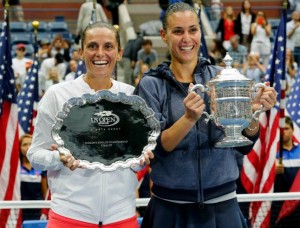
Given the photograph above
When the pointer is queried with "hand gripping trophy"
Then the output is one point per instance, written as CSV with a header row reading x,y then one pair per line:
x,y
231,96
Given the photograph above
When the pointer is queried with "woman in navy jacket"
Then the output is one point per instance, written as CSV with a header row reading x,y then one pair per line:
x,y
193,182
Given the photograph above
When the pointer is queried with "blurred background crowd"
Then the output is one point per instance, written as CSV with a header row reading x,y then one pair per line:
x,y
246,29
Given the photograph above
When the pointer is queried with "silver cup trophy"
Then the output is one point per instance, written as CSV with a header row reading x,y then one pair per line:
x,y
231,96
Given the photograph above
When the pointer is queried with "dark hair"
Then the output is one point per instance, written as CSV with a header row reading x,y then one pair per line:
x,y
59,58
289,121
146,42
176,7
101,24
243,6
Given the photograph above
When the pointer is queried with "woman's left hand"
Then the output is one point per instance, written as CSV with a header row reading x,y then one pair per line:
x,y
147,156
265,97
145,160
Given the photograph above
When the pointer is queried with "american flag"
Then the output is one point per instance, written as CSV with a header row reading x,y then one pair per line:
x,y
80,69
293,107
9,137
258,173
290,205
293,110
28,98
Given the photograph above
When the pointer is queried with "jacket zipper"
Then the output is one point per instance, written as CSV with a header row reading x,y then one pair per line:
x,y
102,205
200,189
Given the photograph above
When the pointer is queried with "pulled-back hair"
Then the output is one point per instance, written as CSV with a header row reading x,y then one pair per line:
x,y
101,24
176,7
20,143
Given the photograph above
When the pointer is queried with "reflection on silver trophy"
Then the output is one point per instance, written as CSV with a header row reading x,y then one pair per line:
x,y
106,130
231,96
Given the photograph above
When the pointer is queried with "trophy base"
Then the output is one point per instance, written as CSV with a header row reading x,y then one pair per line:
x,y
233,137
230,141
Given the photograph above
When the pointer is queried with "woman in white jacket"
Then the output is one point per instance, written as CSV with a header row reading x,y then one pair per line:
x,y
85,197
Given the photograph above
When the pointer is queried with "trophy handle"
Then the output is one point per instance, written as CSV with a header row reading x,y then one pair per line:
x,y
202,89
199,86
259,85
255,115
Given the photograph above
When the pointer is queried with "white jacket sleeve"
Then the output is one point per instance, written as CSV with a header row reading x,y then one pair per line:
x,y
39,154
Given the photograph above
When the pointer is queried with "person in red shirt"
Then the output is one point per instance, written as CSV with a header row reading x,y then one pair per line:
x,y
226,26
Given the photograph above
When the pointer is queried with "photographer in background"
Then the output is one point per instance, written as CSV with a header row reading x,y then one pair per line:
x,y
261,32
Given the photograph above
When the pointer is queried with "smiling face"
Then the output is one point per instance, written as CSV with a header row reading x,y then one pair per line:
x,y
182,35
100,52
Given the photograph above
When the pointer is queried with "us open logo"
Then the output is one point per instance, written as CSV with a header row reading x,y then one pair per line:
x,y
105,119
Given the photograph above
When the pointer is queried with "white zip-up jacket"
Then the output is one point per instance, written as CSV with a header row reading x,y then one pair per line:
x,y
83,194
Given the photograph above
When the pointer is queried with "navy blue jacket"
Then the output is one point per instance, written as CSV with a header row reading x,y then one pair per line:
x,y
195,171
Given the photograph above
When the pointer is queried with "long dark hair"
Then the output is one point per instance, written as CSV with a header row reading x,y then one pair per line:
x,y
243,6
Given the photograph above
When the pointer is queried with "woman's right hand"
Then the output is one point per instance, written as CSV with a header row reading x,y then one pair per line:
x,y
67,159
194,106
279,168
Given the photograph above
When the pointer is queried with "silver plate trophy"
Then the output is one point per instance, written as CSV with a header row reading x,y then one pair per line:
x,y
231,96
106,130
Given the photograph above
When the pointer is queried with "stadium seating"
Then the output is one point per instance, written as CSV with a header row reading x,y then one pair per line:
x,y
43,27
22,32
17,38
59,18
58,26
35,224
18,27
65,35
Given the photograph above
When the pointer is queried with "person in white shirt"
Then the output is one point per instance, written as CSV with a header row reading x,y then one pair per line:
x,y
20,64
73,67
85,15
52,78
261,31
242,24
47,64
293,35
295,5
89,198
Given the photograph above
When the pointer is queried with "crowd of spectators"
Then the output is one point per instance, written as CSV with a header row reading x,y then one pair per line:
x,y
247,38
